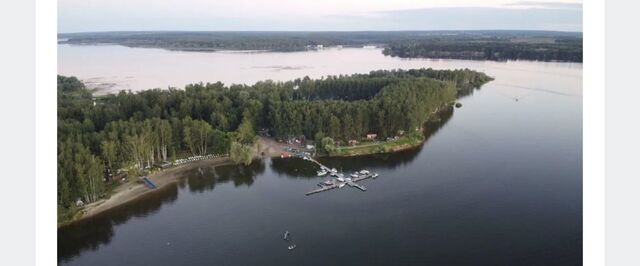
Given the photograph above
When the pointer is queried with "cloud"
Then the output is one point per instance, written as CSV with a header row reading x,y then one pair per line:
x,y
100,15
546,5
470,18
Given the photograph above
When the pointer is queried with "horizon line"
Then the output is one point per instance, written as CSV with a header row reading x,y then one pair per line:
x,y
321,31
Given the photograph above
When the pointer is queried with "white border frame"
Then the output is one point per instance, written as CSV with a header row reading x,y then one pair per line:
x,y
46,132
593,133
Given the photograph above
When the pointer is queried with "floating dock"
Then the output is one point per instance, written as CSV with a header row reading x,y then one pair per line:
x,y
340,181
338,184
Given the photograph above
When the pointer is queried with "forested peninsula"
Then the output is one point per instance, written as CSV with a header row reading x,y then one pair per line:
x,y
476,45
134,132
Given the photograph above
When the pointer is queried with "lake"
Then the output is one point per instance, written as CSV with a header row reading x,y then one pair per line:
x,y
498,182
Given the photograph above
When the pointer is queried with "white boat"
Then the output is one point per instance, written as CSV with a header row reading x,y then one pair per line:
x,y
364,172
341,185
292,247
354,175
286,235
333,170
341,179
375,175
322,173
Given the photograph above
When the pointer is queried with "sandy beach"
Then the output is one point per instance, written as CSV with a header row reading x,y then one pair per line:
x,y
132,190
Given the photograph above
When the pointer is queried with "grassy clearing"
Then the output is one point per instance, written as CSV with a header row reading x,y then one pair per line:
x,y
402,143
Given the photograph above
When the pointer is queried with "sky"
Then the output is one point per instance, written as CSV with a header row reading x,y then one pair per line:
x,y
317,15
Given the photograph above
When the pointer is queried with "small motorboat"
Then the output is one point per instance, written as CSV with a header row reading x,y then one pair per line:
x,y
286,235
292,247
328,183
354,175
322,173
375,175
341,185
364,172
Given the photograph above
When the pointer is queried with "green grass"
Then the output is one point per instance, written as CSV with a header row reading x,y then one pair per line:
x,y
402,143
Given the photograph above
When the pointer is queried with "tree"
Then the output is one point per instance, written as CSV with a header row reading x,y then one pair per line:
x,y
327,145
240,153
109,152
137,146
197,134
164,132
246,134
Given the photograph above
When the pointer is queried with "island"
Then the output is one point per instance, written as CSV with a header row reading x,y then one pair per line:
x,y
106,143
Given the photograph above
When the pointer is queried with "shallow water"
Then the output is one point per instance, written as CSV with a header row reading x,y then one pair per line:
x,y
500,183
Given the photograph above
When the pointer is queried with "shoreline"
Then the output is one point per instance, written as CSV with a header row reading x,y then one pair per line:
x,y
132,190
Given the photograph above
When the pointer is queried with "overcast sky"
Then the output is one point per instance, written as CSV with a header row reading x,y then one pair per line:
x,y
317,15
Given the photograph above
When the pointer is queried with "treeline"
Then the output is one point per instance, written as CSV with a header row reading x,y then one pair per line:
x,y
479,45
133,131
213,41
557,50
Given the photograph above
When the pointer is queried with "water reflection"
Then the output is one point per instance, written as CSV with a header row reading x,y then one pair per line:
x,y
298,168
465,92
91,233
205,179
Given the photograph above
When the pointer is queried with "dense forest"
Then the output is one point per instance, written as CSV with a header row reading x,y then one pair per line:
x,y
134,131
569,50
480,45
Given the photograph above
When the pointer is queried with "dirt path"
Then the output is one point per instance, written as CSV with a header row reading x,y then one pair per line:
x,y
271,148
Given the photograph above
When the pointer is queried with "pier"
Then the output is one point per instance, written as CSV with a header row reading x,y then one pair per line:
x,y
340,181
335,183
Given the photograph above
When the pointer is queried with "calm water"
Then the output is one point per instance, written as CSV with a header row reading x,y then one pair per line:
x,y
499,181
